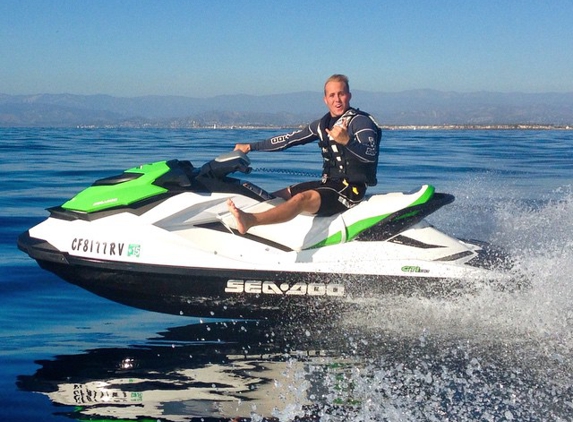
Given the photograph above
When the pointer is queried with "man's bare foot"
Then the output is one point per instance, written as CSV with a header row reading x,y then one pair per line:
x,y
242,218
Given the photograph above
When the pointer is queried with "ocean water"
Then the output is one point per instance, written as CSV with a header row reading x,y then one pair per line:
x,y
486,355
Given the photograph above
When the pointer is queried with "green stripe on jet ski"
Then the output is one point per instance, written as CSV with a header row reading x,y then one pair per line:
x,y
425,197
103,195
355,229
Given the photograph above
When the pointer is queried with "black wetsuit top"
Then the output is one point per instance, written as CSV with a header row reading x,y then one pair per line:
x,y
355,162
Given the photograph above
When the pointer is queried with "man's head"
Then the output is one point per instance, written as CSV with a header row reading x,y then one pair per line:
x,y
337,95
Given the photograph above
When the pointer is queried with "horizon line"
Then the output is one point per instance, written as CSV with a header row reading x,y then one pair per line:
x,y
291,93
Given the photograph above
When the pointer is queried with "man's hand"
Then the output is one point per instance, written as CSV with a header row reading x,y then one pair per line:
x,y
339,133
244,148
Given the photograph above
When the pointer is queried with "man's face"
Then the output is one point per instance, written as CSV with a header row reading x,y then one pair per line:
x,y
337,98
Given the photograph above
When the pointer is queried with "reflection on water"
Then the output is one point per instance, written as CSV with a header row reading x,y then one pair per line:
x,y
251,371
217,370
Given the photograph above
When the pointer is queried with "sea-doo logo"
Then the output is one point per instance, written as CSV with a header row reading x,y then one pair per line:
x,y
272,288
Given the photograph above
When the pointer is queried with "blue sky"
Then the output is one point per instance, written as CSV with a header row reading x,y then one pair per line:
x,y
214,47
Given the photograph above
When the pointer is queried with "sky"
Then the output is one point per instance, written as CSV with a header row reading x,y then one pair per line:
x,y
202,49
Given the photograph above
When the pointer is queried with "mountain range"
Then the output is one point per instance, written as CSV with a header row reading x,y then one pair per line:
x,y
416,107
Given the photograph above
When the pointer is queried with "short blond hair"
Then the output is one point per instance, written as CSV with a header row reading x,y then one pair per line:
x,y
338,78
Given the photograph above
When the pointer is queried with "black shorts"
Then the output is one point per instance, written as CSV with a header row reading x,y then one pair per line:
x,y
335,195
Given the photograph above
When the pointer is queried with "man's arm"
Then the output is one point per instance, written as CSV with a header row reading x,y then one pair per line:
x,y
278,143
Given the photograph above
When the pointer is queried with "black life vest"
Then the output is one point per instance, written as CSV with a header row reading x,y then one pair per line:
x,y
338,163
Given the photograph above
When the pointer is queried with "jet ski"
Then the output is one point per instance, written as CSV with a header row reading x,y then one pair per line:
x,y
159,237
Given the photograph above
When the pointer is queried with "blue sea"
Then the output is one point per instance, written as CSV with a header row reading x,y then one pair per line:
x,y
485,355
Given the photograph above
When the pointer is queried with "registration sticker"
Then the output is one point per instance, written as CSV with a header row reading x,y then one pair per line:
x,y
134,250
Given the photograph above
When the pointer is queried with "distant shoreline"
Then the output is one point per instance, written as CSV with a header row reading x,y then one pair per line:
x,y
411,110
384,127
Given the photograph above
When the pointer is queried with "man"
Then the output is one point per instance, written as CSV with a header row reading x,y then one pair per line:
x,y
349,140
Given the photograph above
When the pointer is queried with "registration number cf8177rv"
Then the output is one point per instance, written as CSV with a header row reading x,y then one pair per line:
x,y
272,288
